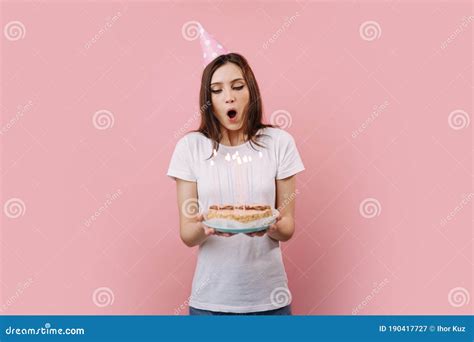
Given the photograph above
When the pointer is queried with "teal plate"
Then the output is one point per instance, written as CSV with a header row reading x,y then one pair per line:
x,y
236,230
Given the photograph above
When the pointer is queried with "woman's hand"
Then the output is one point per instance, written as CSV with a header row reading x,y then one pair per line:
x,y
260,233
211,231
271,229
274,227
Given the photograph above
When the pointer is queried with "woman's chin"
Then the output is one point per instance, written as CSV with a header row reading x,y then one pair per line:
x,y
233,126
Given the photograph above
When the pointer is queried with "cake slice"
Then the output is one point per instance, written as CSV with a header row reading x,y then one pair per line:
x,y
240,213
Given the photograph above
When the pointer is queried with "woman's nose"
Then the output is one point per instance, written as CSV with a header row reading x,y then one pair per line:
x,y
229,98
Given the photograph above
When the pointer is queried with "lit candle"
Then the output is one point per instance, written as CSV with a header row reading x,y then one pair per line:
x,y
234,180
219,184
228,171
261,185
239,178
249,173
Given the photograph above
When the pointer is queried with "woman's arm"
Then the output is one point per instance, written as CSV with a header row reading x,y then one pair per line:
x,y
191,229
283,229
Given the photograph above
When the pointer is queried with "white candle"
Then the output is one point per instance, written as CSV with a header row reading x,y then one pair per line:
x,y
228,172
219,184
231,175
250,173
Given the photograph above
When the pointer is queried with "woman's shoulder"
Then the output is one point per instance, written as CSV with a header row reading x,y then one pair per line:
x,y
194,137
276,133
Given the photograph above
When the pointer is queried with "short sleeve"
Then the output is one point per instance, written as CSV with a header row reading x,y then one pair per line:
x,y
289,160
181,164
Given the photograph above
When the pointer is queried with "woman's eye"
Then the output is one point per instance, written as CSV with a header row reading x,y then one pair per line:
x,y
217,91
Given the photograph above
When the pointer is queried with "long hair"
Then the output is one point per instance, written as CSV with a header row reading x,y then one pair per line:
x,y
210,126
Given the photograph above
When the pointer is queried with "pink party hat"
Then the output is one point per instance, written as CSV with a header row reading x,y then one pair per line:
x,y
211,48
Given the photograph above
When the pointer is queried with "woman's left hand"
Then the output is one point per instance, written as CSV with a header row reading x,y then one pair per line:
x,y
272,228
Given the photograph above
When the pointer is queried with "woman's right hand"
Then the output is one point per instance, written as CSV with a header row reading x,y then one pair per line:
x,y
211,231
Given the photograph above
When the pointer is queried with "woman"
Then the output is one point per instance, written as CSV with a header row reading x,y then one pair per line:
x,y
241,273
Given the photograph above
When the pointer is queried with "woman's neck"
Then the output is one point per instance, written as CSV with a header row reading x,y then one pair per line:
x,y
232,138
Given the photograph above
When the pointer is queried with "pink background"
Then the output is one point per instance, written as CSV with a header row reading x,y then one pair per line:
x,y
313,61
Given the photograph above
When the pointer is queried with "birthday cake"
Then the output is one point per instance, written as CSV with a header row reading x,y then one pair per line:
x,y
239,213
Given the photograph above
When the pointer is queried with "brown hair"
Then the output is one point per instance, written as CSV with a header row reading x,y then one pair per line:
x,y
210,126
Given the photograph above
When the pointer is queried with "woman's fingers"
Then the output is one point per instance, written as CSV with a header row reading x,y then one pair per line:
x,y
273,226
260,233
209,231
212,231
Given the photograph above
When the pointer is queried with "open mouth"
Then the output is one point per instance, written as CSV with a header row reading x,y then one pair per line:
x,y
232,113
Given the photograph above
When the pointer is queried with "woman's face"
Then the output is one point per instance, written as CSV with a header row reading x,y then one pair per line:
x,y
230,96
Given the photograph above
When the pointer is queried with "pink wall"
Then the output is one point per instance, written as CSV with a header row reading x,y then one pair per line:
x,y
379,99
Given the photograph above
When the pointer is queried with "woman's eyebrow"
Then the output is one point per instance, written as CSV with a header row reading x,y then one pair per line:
x,y
237,79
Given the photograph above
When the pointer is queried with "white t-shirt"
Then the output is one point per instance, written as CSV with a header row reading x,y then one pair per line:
x,y
239,273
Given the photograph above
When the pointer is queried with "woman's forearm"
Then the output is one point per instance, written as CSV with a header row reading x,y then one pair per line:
x,y
192,234
284,229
